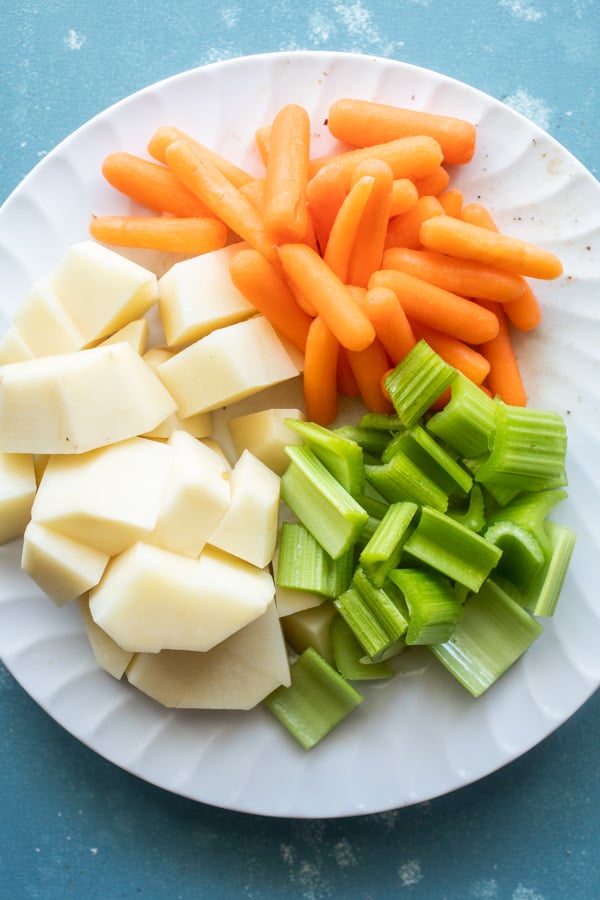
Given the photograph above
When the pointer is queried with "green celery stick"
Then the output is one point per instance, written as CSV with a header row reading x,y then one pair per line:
x,y
381,422
384,549
303,564
530,510
372,440
316,701
388,613
433,460
546,588
468,421
522,557
365,624
433,606
401,479
348,655
324,507
448,547
417,381
341,456
492,634
472,515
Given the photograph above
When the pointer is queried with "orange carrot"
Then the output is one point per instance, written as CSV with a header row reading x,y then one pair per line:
x,y
369,367
452,201
310,274
456,237
404,196
221,196
370,235
261,138
338,251
151,185
504,378
166,135
405,230
408,157
527,313
461,276
390,322
172,235
285,212
346,381
440,309
363,121
263,286
254,191
320,374
325,193
456,353
434,183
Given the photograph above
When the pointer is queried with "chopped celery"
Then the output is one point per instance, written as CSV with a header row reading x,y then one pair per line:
x,y
382,605
417,381
341,456
369,630
492,634
327,510
522,557
473,515
530,510
375,507
434,609
384,549
348,655
372,440
317,700
304,565
433,460
468,421
545,590
529,450
381,422
310,628
402,479
452,549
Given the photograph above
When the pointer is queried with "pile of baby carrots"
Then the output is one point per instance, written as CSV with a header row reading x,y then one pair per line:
x,y
354,256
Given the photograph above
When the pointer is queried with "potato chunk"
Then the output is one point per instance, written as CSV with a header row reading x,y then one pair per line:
x,y
17,493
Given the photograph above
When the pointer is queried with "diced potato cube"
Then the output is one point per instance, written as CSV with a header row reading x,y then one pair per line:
x,y
44,323
135,333
151,599
196,497
75,402
108,498
249,527
101,290
17,493
63,567
226,365
266,435
109,656
236,674
197,295
199,425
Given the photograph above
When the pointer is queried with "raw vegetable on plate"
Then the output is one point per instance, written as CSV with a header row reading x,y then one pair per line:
x,y
225,551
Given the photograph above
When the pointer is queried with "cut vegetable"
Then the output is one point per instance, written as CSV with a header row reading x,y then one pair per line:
x,y
348,654
417,381
432,605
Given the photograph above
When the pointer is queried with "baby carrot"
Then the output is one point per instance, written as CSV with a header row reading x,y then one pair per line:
x,y
255,192
472,363
263,286
189,235
434,183
504,378
221,196
456,237
285,212
527,313
151,185
404,196
360,121
405,230
325,193
369,367
332,300
440,309
345,226
346,381
408,157
461,276
370,234
452,201
390,322
168,134
261,139
320,374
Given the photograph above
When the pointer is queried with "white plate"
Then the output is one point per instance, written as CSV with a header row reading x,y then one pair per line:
x,y
421,735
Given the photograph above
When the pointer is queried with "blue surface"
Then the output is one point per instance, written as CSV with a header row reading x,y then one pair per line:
x,y
71,824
